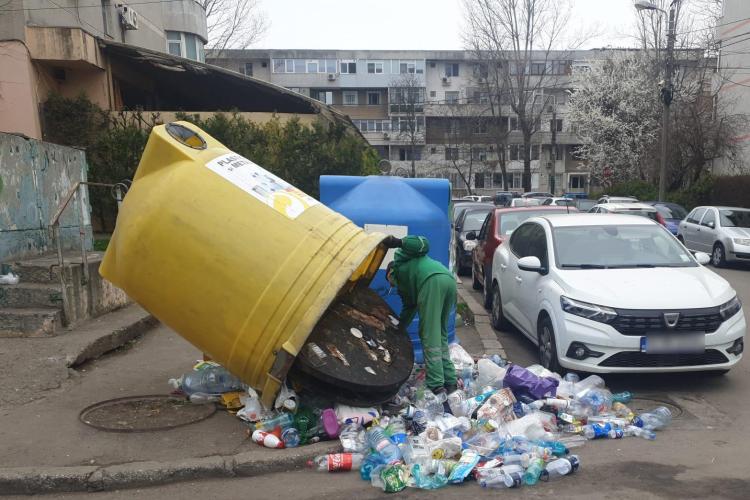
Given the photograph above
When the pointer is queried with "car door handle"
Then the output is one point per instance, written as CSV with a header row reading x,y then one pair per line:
x,y
518,279
503,267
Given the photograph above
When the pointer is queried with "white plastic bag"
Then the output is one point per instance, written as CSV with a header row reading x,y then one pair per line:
x,y
253,410
490,374
461,359
286,399
9,279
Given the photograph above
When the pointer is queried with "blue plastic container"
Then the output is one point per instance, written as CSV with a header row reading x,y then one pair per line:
x,y
397,206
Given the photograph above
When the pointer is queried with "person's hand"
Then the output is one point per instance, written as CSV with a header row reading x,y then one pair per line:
x,y
392,242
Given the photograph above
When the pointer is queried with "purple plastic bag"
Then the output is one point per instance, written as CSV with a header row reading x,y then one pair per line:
x,y
522,381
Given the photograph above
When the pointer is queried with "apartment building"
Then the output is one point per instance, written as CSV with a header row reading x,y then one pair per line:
x,y
57,47
734,65
430,110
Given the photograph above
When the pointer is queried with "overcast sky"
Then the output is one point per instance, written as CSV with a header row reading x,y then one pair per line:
x,y
414,24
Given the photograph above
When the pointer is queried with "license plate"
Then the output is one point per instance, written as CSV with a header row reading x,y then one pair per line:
x,y
673,343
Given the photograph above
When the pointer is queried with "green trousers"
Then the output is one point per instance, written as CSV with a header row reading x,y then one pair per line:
x,y
435,300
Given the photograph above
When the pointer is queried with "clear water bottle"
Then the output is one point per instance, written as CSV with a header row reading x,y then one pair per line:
x,y
396,430
585,385
560,467
291,437
283,420
655,419
432,403
507,476
352,438
633,430
213,379
380,443
622,397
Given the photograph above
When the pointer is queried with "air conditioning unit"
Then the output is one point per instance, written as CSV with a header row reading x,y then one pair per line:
x,y
331,77
128,17
446,80
386,136
550,109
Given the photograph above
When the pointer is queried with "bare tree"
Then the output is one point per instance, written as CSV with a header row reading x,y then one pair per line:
x,y
234,24
516,38
406,99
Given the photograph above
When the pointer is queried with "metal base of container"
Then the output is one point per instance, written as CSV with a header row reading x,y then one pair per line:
x,y
357,353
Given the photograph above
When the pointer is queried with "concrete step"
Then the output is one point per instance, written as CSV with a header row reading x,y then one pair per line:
x,y
30,295
30,322
35,273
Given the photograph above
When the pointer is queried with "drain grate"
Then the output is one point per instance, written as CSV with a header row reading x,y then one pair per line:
x,y
644,404
144,413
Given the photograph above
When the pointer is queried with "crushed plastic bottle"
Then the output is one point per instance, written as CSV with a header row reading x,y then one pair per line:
x,y
212,379
396,431
533,471
507,476
633,430
353,439
490,374
283,420
336,462
560,467
380,443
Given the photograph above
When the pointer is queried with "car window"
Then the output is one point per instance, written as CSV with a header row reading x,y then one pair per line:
x,y
735,218
651,214
520,239
473,220
709,217
483,231
509,222
695,215
548,201
537,243
671,212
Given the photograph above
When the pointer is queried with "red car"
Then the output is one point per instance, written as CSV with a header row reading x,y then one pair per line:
x,y
497,228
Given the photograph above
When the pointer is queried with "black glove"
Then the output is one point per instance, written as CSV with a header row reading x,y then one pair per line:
x,y
392,242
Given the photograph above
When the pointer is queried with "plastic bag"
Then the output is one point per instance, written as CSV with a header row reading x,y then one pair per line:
x,y
523,382
350,414
286,399
490,374
469,460
9,279
498,407
419,479
253,410
461,359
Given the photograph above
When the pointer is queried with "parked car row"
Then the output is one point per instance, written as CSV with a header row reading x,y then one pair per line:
x,y
613,293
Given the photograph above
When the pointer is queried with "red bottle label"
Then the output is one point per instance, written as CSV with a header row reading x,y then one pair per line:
x,y
339,461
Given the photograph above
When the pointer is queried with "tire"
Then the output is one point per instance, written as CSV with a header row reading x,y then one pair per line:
x,y
487,293
475,283
718,256
496,316
547,347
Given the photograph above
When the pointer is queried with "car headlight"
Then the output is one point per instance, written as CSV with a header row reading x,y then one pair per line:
x,y
741,241
589,311
729,309
469,245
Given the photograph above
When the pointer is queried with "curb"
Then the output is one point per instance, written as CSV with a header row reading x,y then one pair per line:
x,y
39,480
115,339
481,318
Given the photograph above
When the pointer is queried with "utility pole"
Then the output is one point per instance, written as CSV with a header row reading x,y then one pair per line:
x,y
553,152
666,98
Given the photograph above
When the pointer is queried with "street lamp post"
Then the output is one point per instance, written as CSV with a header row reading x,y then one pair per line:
x,y
666,90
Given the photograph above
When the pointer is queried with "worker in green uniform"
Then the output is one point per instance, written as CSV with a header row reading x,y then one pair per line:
x,y
427,287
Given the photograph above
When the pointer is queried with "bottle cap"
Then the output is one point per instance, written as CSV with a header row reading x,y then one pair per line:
x,y
574,462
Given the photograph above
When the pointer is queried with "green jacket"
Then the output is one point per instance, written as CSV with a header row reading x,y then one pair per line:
x,y
411,268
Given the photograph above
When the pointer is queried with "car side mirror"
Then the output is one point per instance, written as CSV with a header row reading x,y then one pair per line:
x,y
471,235
711,224
531,264
702,258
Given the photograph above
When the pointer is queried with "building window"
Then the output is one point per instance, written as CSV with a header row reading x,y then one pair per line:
x,y
453,126
513,123
479,127
514,155
348,67
312,66
350,98
535,151
373,98
411,67
324,96
479,180
538,68
577,181
480,70
246,69
105,16
375,67
304,65
451,154
451,69
174,43
433,151
433,93
407,154
556,125
451,97
406,99
479,154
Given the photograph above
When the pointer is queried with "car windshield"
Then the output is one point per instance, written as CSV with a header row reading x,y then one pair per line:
x,y
584,205
651,214
673,212
618,246
474,220
735,218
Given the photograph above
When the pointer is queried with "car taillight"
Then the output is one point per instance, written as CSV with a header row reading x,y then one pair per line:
x,y
660,219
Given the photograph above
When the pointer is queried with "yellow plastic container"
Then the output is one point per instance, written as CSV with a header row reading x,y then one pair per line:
x,y
231,257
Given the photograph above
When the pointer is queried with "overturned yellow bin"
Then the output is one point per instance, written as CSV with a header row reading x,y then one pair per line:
x,y
230,256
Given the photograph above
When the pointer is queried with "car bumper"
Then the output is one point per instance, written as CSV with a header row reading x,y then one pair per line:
x,y
624,351
739,253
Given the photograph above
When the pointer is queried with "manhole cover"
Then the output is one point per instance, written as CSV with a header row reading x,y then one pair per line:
x,y
144,413
644,404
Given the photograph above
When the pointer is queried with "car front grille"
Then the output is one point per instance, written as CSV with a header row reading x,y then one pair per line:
x,y
636,359
640,322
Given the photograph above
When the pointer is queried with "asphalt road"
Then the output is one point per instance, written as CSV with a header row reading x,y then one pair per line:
x,y
703,454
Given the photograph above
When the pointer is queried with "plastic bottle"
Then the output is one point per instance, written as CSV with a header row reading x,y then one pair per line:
x,y
291,437
370,463
507,476
622,397
560,467
456,400
396,431
598,399
380,443
489,374
575,441
615,421
598,431
283,420
211,379
655,419
419,422
633,430
336,462
416,451
352,438
590,382
623,411
534,471
330,423
268,439
432,403
201,398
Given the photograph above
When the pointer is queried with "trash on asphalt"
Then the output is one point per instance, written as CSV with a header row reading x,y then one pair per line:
x,y
9,279
506,426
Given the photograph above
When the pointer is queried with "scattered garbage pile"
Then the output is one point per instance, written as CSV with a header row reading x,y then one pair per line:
x,y
506,426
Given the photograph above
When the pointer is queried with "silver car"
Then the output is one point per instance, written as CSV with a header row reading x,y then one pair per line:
x,y
723,232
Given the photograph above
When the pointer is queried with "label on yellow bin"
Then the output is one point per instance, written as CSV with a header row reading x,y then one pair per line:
x,y
262,184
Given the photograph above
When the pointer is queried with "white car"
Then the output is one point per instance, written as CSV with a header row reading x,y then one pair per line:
x,y
560,202
617,199
615,294
525,202
629,209
722,231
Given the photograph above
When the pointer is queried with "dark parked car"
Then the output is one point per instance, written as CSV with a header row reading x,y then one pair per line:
x,y
496,229
471,221
503,198
537,194
460,206
671,212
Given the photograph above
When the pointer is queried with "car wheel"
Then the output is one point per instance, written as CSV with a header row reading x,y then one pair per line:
x,y
547,347
475,283
487,293
718,257
498,319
